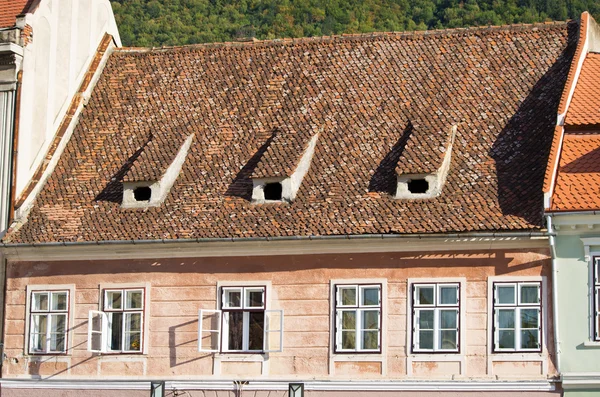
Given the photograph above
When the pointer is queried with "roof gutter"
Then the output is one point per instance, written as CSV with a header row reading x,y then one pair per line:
x,y
529,234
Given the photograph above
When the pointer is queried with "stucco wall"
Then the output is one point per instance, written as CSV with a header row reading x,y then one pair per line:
x,y
300,285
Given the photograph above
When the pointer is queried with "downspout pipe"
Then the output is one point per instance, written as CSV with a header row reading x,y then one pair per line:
x,y
552,240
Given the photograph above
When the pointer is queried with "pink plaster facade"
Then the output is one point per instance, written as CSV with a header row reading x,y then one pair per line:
x,y
300,285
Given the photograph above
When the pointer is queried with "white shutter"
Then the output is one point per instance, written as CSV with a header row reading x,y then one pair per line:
x,y
273,331
97,331
209,330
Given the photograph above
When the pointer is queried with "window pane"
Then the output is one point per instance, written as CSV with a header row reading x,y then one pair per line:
x,y
236,326
506,339
255,298
448,295
348,296
38,342
529,339
133,341
448,339
113,299
115,330
349,340
57,342
529,318
257,321
59,301
40,301
370,296
58,322
425,295
448,319
426,339
506,318
370,319
133,322
133,299
370,340
529,294
348,320
38,333
426,319
506,294
39,323
233,298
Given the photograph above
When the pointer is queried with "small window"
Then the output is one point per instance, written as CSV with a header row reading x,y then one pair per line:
x,y
358,318
273,191
49,312
242,324
142,193
435,317
596,294
119,326
517,317
417,186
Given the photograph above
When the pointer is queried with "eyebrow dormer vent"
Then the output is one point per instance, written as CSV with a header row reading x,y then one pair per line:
x,y
282,187
428,181
151,193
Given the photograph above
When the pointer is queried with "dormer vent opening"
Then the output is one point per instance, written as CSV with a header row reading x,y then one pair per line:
x,y
273,191
142,193
418,186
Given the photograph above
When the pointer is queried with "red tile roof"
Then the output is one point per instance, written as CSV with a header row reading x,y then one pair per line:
x,y
10,9
585,105
578,181
365,94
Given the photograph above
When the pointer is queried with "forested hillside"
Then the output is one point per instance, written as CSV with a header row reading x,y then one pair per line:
x,y
176,22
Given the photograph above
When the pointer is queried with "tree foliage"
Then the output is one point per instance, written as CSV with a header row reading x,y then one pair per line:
x,y
178,22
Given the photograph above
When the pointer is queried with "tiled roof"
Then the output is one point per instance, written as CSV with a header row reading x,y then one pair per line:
x,y
578,181
10,9
363,94
585,105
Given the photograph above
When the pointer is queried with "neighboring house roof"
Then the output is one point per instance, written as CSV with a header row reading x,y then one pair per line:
x,y
366,96
585,105
578,181
10,9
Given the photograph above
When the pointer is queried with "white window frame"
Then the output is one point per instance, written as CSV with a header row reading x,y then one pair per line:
x,y
274,333
416,307
49,313
596,299
359,307
126,311
517,306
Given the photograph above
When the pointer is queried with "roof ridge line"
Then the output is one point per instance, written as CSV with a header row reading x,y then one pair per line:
x,y
301,40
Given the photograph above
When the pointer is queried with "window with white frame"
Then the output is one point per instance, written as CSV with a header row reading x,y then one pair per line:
x,y
435,317
596,295
242,324
517,316
119,326
358,318
49,311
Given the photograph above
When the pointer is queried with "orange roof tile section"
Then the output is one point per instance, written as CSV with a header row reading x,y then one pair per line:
x,y
585,106
9,9
578,180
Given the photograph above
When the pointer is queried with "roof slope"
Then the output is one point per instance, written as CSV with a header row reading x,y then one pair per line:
x,y
364,94
10,9
585,105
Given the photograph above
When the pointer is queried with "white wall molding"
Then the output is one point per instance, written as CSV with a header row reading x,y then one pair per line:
x,y
580,380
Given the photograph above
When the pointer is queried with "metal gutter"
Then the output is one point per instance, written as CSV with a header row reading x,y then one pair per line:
x,y
530,234
552,241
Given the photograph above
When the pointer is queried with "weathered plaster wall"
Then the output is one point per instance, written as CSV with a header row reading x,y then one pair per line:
x,y
66,34
300,285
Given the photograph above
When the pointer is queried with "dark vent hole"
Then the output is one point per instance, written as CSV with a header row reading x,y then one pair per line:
x,y
272,191
418,186
142,193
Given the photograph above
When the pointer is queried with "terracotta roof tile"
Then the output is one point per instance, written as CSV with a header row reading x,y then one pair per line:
x,y
501,86
585,106
10,9
578,180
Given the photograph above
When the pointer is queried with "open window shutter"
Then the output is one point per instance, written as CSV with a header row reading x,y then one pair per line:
x,y
97,331
273,331
209,330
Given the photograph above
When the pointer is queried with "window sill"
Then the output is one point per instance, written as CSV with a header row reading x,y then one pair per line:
x,y
367,356
592,344
442,356
250,357
518,356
